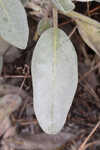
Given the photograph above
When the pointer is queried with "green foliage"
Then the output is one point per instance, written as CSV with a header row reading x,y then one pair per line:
x,y
55,78
90,34
89,30
13,23
63,5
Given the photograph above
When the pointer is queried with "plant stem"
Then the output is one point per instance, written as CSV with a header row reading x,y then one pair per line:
x,y
55,35
55,18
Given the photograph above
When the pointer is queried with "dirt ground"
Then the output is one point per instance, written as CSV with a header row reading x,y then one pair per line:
x,y
24,132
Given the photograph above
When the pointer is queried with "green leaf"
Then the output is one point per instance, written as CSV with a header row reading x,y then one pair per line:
x,y
55,77
77,16
90,34
13,23
63,5
43,25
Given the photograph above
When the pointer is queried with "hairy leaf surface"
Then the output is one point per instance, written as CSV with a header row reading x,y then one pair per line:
x,y
55,77
13,23
63,5
90,34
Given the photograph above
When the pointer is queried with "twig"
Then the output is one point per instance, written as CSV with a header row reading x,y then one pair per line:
x,y
97,142
92,92
14,76
25,77
64,23
95,9
82,147
72,32
91,70
55,18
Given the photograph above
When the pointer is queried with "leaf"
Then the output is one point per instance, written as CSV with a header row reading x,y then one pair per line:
x,y
90,35
13,23
63,5
54,80
77,16
43,25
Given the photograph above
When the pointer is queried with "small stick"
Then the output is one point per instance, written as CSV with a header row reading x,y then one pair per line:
x,y
89,136
55,18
